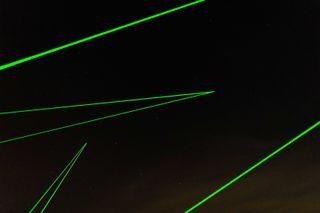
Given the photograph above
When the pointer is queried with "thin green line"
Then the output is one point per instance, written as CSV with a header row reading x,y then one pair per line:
x,y
253,167
100,103
54,182
98,119
41,54
60,183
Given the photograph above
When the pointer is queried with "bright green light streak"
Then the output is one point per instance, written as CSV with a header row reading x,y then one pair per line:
x,y
253,167
101,103
59,185
54,182
32,57
99,119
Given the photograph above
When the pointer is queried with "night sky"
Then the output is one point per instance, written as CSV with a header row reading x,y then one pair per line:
x,y
261,58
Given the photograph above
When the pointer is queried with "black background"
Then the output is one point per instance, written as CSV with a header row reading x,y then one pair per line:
x,y
261,58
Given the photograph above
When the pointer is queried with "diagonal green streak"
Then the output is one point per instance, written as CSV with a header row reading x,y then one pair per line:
x,y
253,167
99,119
60,183
41,54
101,103
57,178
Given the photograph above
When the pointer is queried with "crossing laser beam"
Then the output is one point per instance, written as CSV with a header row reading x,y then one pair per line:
x,y
64,172
253,167
101,103
99,119
86,39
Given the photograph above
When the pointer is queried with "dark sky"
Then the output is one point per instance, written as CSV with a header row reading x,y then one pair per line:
x,y
261,58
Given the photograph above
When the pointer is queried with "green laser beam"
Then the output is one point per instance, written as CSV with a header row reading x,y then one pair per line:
x,y
98,119
253,167
50,51
57,178
101,103
60,183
